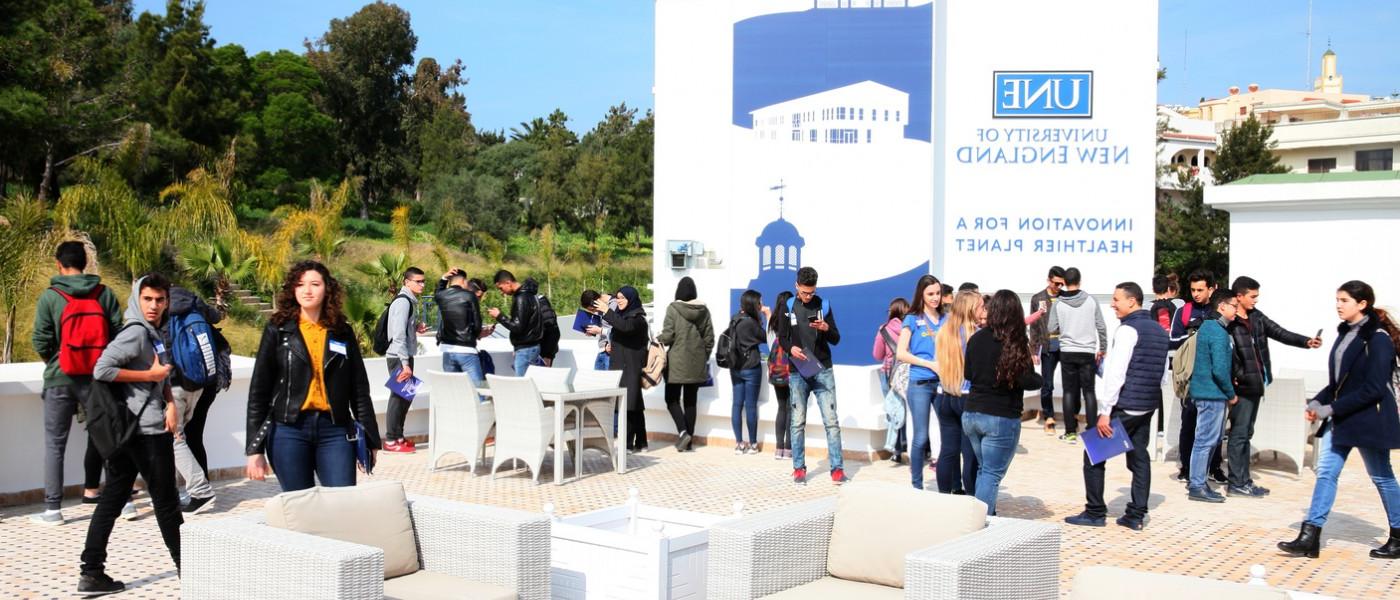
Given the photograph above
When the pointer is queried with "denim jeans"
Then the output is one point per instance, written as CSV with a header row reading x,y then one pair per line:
x,y
823,386
1186,440
1048,361
746,384
314,448
602,361
994,442
524,357
153,458
464,362
1210,422
921,399
196,484
952,446
1329,467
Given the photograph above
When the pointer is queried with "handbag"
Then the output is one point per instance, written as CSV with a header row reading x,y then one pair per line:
x,y
898,377
655,365
363,456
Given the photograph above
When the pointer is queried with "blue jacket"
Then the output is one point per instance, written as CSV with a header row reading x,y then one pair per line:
x,y
1210,379
1363,401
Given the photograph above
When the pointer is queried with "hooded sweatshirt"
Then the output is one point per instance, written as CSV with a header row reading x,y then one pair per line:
x,y
134,350
689,337
48,315
1077,317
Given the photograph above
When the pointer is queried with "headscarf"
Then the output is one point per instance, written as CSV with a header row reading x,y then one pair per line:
x,y
634,301
685,290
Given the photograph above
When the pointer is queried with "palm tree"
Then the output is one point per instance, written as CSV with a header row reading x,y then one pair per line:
x,y
25,240
218,264
388,269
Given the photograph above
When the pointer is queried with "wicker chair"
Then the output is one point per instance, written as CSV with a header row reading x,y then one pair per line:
x,y
782,549
242,557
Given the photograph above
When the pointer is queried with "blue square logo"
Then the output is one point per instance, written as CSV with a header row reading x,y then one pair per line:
x,y
1043,94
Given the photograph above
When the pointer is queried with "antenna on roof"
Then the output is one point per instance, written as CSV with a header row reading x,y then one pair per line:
x,y
779,188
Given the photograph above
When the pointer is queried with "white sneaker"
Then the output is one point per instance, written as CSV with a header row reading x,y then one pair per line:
x,y
129,512
738,448
751,449
48,517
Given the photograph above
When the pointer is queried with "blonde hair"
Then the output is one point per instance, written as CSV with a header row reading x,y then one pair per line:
x,y
948,346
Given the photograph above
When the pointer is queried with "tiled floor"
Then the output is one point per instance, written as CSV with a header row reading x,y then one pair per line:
x,y
1044,483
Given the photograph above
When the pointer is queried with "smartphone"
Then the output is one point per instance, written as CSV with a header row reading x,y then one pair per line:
x,y
812,318
1319,334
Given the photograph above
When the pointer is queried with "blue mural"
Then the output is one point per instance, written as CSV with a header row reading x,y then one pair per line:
x,y
859,309
783,56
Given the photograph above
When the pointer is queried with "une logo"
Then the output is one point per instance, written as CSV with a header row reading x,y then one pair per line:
x,y
1043,94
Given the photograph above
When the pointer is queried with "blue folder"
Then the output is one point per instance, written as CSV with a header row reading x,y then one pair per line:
x,y
407,389
806,368
583,318
1101,449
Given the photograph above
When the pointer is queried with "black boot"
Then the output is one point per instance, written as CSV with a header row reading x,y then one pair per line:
x,y
1307,544
1391,549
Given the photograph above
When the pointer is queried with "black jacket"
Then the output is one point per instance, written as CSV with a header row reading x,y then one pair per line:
x,y
282,375
980,369
526,328
1265,328
629,353
748,336
799,332
460,317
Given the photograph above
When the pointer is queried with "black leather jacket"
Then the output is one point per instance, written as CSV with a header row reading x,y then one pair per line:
x,y
526,328
1252,366
461,317
282,375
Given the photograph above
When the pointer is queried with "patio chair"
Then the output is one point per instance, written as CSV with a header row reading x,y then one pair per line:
x,y
874,539
458,421
601,411
524,425
367,542
550,379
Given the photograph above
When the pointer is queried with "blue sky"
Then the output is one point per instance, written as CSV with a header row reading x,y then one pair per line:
x,y
527,57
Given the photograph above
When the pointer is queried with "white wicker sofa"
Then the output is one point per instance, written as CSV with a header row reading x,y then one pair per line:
x,y
427,548
874,539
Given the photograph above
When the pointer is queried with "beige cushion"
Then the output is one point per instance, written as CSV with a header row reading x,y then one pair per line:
x,y
427,585
831,588
373,514
877,524
1113,582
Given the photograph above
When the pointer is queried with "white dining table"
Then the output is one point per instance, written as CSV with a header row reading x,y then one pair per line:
x,y
577,400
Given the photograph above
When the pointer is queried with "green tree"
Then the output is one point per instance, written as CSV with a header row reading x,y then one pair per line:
x,y
547,194
387,270
217,264
439,130
362,60
25,240
1246,149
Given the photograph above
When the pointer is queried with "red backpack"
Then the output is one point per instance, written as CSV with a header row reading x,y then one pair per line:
x,y
83,332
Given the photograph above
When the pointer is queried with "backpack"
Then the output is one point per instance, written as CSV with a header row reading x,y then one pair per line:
x,y
727,354
380,339
193,350
110,423
778,368
1183,365
899,371
655,366
83,332
1162,313
549,343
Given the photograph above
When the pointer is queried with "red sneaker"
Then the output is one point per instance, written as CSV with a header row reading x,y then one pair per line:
x,y
412,447
839,477
397,447
799,476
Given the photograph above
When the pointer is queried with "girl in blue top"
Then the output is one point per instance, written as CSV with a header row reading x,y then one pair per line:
x,y
916,347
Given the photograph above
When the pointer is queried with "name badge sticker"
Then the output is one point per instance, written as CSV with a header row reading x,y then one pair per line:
x,y
337,347
160,347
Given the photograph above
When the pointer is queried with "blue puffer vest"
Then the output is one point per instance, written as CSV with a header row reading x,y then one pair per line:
x,y
1143,389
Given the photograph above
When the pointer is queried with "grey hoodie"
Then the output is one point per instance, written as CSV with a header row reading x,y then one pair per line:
x,y
134,350
1077,317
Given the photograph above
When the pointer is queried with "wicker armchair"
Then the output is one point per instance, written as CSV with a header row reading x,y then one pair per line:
x,y
242,557
779,550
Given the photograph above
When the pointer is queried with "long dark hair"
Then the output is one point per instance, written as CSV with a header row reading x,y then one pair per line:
x,y
1361,291
917,306
1008,324
332,306
899,308
749,303
779,310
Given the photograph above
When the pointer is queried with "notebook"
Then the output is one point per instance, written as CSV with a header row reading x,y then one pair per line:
x,y
1101,449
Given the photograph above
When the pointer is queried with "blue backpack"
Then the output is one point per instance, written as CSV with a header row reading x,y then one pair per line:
x,y
193,350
